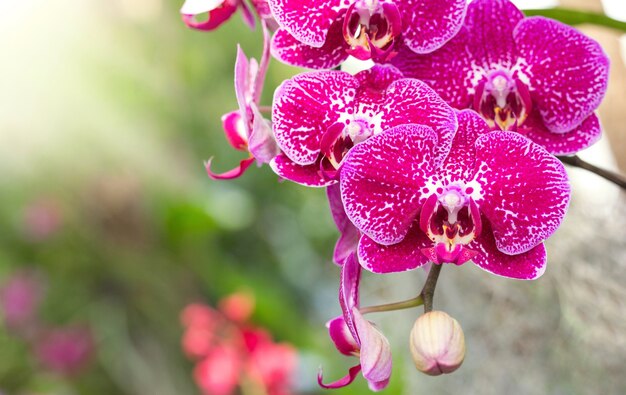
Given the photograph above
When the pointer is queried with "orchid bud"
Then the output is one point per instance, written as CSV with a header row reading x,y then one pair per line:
x,y
437,343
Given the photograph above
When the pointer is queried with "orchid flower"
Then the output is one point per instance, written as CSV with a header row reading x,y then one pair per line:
x,y
324,33
218,12
353,335
493,200
533,75
246,129
318,116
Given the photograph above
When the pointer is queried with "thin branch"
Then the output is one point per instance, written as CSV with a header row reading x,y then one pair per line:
x,y
424,298
575,17
608,175
405,304
428,292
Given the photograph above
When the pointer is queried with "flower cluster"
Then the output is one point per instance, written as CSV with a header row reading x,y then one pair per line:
x,y
231,353
441,152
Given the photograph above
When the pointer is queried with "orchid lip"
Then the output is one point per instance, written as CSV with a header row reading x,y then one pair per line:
x,y
502,100
451,219
370,28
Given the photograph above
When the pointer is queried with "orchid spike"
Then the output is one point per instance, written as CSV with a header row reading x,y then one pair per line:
x,y
319,116
534,75
323,34
246,129
493,200
353,335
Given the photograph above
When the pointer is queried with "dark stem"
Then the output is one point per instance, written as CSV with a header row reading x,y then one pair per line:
x,y
428,292
608,175
574,17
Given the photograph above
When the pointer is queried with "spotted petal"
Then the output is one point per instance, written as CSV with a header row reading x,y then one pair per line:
x,y
400,257
484,42
308,175
430,24
459,164
568,70
525,190
528,265
569,143
289,50
381,181
409,100
306,20
305,107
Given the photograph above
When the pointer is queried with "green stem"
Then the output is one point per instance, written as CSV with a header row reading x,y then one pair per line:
x,y
428,292
574,17
405,304
424,298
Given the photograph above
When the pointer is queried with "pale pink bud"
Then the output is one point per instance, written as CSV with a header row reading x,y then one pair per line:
x,y
437,343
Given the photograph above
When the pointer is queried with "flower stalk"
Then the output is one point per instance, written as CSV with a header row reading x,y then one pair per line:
x,y
608,175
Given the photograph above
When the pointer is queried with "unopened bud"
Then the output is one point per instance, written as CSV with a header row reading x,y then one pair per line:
x,y
437,343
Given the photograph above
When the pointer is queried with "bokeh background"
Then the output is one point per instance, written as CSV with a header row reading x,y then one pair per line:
x,y
107,112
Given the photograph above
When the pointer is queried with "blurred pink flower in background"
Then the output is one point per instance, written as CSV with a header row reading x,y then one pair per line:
x,y
231,353
20,296
66,350
42,218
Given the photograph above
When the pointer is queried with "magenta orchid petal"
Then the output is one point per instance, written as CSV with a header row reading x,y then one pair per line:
x,y
412,101
309,175
348,240
375,352
430,24
489,25
577,139
245,71
342,337
459,164
569,71
261,143
342,382
219,11
400,257
289,50
507,67
305,106
525,190
528,265
230,174
235,130
308,21
382,180
435,69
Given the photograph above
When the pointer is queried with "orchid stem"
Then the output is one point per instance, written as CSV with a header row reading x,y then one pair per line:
x,y
428,292
424,298
608,175
574,17
405,304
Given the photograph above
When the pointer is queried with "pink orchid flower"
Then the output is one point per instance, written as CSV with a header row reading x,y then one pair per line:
x,y
536,76
353,335
495,198
319,116
246,129
322,34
